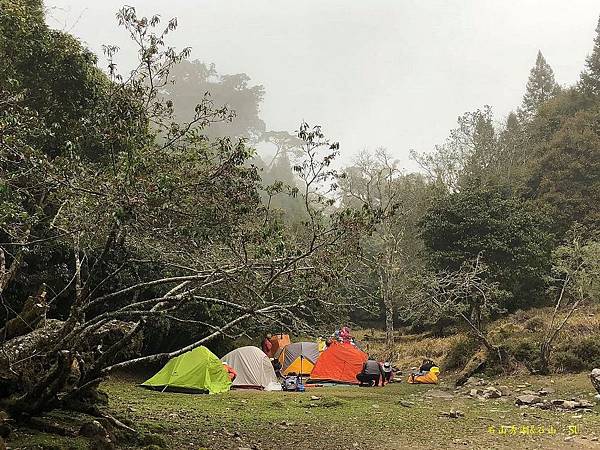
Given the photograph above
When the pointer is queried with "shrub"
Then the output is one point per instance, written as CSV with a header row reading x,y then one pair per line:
x,y
526,352
578,355
460,353
567,362
536,323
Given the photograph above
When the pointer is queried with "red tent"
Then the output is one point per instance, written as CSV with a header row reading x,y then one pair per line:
x,y
340,363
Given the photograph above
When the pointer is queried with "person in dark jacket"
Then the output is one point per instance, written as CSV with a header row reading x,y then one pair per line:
x,y
371,373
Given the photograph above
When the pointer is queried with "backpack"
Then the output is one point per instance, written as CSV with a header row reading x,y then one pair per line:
x,y
290,383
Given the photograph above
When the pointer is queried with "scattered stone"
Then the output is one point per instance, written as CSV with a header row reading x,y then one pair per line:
x,y
314,397
545,391
570,404
529,392
491,392
505,390
454,414
405,403
474,392
527,400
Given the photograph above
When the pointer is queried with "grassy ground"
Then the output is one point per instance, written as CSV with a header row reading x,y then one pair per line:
x,y
394,417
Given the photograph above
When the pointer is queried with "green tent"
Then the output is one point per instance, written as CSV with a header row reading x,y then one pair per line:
x,y
196,370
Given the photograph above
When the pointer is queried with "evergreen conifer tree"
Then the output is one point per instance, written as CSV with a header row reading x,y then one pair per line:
x,y
541,86
590,77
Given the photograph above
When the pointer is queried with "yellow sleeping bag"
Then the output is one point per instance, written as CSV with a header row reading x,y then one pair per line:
x,y
430,377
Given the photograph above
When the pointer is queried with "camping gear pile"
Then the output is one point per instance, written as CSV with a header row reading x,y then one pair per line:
x,y
337,361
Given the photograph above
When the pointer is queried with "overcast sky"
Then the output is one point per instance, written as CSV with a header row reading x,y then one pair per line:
x,y
391,73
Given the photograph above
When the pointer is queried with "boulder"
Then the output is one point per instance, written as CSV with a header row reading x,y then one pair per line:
x,y
491,392
505,391
527,400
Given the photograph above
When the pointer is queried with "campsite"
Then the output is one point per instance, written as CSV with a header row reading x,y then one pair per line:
x,y
315,224
348,416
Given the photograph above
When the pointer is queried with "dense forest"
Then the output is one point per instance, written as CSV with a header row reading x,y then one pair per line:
x,y
138,221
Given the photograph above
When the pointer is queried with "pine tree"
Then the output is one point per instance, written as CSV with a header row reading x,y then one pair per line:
x,y
541,86
590,77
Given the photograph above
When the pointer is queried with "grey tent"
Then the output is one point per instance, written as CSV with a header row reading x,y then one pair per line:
x,y
254,369
298,358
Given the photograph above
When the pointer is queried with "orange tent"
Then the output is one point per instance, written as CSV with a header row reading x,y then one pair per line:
x,y
278,341
339,363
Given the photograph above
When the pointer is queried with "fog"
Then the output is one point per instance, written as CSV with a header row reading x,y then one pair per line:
x,y
391,73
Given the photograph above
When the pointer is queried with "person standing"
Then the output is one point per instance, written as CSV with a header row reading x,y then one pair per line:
x,y
267,345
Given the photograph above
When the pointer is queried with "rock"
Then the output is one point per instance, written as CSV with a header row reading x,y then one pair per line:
x,y
454,414
568,438
505,391
557,402
92,429
529,392
491,392
97,433
314,397
586,404
527,400
474,392
545,391
570,404
471,381
595,439
405,403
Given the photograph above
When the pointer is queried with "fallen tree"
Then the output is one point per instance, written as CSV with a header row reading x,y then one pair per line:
x,y
164,220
